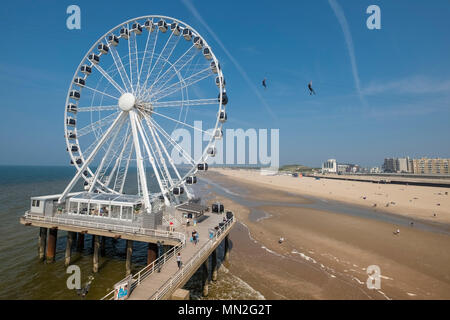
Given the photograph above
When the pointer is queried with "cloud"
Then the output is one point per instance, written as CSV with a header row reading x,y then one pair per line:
x,y
410,85
351,50
241,70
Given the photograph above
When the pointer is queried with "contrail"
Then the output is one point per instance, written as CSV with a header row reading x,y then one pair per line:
x,y
197,15
351,50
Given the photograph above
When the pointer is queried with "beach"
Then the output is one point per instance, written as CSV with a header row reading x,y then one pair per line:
x,y
327,251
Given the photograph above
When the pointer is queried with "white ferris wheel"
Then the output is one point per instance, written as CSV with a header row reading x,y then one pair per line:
x,y
140,81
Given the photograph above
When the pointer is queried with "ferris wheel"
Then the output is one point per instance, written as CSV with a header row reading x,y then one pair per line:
x,y
139,82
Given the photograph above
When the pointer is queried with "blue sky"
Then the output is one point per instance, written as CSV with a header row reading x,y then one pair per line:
x,y
401,107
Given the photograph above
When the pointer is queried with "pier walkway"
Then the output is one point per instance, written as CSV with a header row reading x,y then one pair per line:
x,y
162,277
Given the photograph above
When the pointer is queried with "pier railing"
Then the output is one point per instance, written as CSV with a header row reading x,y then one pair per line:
x,y
109,227
186,269
149,269
158,263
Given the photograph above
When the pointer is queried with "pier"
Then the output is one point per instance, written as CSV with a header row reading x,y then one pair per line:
x,y
161,278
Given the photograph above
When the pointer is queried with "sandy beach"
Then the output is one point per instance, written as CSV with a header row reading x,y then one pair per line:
x,y
325,254
413,201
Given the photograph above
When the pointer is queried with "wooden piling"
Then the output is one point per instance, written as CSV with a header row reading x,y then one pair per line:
x,y
103,246
152,252
69,241
96,241
41,243
129,254
205,276
80,242
51,244
227,250
214,265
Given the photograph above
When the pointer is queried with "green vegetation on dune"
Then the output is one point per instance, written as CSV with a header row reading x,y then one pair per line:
x,y
297,168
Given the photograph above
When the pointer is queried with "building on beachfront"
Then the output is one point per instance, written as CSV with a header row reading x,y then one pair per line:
x,y
430,166
329,166
375,170
397,165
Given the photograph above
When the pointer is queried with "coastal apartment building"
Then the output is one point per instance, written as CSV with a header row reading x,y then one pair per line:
x,y
431,166
417,166
398,165
329,166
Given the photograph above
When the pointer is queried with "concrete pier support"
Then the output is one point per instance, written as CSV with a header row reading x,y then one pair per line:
x,y
96,241
214,265
80,242
103,246
51,244
205,278
69,241
41,243
129,254
227,249
152,252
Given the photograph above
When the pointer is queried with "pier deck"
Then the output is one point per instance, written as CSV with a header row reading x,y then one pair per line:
x,y
103,229
161,285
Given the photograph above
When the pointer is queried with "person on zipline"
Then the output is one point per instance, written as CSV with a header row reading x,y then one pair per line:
x,y
311,90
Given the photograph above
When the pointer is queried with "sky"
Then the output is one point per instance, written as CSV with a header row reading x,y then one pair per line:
x,y
379,93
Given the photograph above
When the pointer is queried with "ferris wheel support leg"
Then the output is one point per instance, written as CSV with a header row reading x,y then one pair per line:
x,y
172,163
140,161
152,162
89,159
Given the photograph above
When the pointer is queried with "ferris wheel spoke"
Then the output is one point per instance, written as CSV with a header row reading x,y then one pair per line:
x,y
97,108
183,103
100,92
98,124
113,154
172,142
153,157
109,78
175,87
123,145
149,45
177,66
162,59
182,123
123,165
139,131
155,40
120,68
183,61
135,62
163,147
100,172
89,159
160,158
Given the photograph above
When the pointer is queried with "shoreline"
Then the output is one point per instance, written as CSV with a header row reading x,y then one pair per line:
x,y
299,186
326,253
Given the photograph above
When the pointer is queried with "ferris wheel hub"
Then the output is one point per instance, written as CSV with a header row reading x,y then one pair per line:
x,y
127,101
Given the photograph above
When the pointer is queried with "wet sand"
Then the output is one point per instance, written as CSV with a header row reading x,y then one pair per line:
x,y
417,202
325,254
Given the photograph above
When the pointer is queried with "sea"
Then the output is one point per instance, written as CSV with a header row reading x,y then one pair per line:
x,y
23,276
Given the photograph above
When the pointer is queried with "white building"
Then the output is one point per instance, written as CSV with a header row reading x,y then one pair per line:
x,y
329,166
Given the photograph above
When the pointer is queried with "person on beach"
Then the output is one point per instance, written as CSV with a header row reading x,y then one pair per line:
x,y
397,232
311,90
179,263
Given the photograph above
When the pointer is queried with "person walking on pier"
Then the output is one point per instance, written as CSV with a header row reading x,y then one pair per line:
x,y
179,263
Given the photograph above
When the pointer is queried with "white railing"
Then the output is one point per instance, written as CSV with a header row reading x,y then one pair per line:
x,y
109,227
186,269
158,263
150,269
